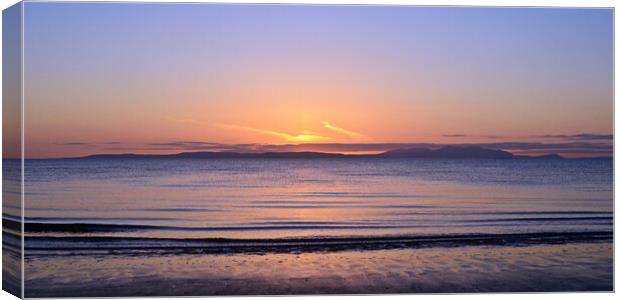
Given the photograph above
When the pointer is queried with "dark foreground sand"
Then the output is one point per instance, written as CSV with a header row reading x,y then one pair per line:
x,y
566,267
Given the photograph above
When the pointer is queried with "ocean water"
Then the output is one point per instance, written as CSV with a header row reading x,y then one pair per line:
x,y
106,208
292,198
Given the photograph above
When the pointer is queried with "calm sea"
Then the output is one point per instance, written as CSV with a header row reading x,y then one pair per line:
x,y
144,203
123,227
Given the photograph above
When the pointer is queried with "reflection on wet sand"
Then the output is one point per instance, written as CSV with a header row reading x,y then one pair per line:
x,y
587,266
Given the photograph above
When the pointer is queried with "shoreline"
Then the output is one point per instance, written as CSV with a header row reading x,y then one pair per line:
x,y
469,269
76,245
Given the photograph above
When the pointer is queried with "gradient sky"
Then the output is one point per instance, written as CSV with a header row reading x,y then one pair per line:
x,y
119,77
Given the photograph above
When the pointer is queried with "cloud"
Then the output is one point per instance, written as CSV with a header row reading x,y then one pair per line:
x,y
457,135
566,137
200,146
548,146
303,137
185,144
75,144
582,136
351,134
88,143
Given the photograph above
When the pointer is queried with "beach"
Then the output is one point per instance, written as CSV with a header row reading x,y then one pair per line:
x,y
537,268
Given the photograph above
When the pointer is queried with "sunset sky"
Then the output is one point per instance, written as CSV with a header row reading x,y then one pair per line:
x,y
165,78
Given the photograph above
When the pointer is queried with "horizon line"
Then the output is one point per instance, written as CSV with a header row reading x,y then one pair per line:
x,y
375,154
533,148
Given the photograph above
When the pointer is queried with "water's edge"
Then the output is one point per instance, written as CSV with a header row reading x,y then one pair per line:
x,y
35,246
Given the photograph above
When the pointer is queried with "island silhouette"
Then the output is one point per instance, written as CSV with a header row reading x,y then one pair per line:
x,y
457,152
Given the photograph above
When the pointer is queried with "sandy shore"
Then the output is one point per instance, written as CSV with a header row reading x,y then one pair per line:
x,y
566,267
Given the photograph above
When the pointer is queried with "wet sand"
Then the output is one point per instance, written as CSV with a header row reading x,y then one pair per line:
x,y
536,268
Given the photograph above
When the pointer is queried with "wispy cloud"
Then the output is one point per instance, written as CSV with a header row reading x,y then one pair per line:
x,y
303,137
75,144
88,143
565,137
581,136
459,135
349,133
456,135
187,146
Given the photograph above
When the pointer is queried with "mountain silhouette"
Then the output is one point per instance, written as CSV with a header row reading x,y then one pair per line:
x,y
449,152
443,152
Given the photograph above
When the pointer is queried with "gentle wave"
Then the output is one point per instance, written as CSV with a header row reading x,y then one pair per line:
x,y
117,245
94,225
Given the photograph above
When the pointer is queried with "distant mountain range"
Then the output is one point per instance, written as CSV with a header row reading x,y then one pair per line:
x,y
460,152
449,152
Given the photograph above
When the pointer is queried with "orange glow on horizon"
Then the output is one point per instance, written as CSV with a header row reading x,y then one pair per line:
x,y
304,137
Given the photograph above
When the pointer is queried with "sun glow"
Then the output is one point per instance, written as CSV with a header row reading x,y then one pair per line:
x,y
351,134
305,137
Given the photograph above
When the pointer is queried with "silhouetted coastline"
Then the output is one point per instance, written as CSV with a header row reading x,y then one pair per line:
x,y
458,152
